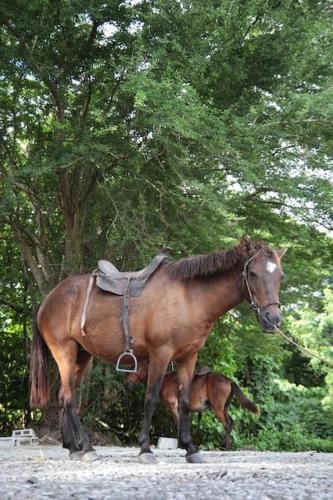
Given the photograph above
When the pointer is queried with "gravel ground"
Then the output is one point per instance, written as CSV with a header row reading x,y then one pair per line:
x,y
46,472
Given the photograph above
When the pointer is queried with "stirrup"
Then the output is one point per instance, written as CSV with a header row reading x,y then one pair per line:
x,y
128,352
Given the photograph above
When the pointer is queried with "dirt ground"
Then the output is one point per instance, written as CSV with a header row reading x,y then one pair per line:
x,y
46,472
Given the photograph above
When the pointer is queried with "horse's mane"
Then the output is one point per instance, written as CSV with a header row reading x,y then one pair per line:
x,y
202,266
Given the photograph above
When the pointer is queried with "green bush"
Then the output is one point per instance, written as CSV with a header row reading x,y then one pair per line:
x,y
289,440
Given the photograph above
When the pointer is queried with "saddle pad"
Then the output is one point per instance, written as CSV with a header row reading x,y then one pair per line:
x,y
117,282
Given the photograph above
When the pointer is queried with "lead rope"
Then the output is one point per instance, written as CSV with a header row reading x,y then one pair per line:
x,y
312,354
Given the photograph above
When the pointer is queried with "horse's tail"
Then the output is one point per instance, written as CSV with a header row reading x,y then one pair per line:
x,y
39,380
244,401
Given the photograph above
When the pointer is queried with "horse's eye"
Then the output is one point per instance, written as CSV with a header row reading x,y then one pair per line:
x,y
252,275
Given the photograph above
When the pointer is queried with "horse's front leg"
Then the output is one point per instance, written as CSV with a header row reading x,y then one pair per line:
x,y
156,371
185,371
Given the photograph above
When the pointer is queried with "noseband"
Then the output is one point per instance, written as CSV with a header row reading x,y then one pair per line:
x,y
253,304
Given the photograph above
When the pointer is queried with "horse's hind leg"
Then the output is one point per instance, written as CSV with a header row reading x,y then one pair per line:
x,y
156,371
71,367
185,371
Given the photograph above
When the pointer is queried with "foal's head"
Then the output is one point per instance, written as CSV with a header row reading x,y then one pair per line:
x,y
139,376
262,275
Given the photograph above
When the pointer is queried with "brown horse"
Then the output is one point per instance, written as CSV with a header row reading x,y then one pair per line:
x,y
208,391
170,320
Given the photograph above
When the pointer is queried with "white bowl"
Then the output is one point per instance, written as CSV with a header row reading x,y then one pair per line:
x,y
165,443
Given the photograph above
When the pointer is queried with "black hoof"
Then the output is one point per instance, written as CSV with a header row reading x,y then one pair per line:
x,y
147,458
90,456
75,455
195,458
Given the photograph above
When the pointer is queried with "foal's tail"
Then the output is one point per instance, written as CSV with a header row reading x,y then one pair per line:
x,y
249,405
39,380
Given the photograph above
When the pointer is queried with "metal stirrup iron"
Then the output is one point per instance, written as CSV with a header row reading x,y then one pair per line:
x,y
128,351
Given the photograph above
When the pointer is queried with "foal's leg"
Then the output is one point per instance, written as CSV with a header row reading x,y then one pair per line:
x,y
185,371
169,396
228,429
73,436
156,371
221,412
173,407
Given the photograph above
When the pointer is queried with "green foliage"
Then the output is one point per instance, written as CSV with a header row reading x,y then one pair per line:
x,y
294,419
314,329
292,440
13,382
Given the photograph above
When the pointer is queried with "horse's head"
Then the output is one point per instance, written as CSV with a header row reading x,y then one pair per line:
x,y
139,376
262,275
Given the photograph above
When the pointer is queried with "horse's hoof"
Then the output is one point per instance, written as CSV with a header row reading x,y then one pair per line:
x,y
195,458
147,458
75,455
90,456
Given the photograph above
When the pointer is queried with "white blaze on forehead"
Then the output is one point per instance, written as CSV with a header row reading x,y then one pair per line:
x,y
270,266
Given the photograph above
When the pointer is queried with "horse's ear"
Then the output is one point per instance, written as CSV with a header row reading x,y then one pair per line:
x,y
281,251
245,241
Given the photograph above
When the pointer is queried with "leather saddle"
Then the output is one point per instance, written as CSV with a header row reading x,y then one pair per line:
x,y
125,284
131,283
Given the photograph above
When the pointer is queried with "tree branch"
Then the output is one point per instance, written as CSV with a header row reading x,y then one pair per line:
x,y
29,258
92,36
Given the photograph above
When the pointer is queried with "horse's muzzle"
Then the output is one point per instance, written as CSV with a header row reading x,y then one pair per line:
x,y
270,319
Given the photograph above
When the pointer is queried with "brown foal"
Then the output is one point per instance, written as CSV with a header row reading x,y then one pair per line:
x,y
208,391
170,320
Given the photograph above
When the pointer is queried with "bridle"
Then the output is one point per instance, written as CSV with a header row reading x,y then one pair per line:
x,y
259,311
253,303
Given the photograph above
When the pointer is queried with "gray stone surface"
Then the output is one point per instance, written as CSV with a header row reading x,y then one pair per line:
x,y
46,472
